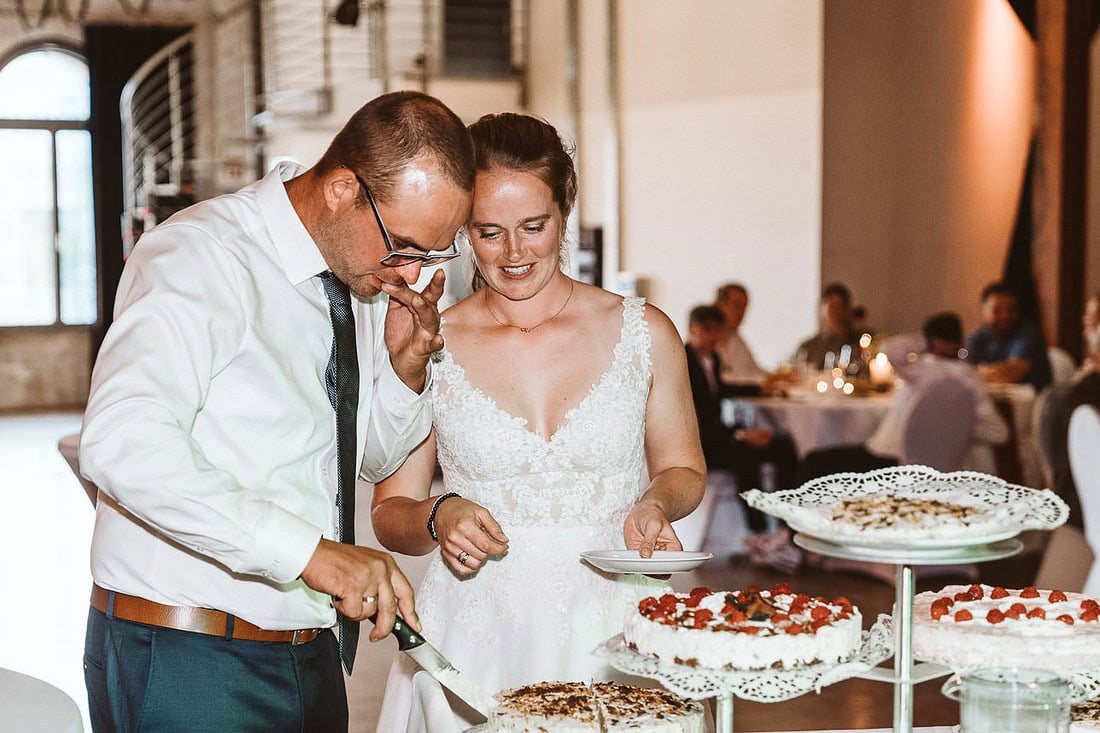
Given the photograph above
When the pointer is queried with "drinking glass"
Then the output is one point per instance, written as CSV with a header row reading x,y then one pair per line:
x,y
1011,700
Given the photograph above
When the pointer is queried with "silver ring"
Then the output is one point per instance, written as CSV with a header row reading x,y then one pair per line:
x,y
369,599
463,557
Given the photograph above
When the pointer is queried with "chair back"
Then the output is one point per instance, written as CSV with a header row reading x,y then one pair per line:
x,y
1062,366
1084,463
939,426
1044,423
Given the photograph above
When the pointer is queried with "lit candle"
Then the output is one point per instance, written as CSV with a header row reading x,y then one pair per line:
x,y
881,371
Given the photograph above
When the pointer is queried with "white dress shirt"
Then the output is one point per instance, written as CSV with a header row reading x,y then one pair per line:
x,y
738,364
914,367
208,429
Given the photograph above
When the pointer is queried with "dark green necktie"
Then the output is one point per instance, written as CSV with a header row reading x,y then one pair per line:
x,y
342,383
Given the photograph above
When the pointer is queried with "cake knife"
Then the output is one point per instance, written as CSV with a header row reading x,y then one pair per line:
x,y
435,664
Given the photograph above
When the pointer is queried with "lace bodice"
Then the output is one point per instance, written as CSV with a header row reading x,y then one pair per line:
x,y
588,472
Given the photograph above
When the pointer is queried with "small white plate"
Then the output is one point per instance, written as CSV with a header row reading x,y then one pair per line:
x,y
663,561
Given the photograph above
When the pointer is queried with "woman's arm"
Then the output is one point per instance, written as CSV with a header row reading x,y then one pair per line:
x,y
673,452
401,506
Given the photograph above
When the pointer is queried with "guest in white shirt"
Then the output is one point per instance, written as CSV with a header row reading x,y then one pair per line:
x,y
917,361
213,441
738,364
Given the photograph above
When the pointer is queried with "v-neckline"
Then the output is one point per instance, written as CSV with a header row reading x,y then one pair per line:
x,y
567,418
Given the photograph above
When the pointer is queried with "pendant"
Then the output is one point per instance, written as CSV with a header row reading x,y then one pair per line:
x,y
525,330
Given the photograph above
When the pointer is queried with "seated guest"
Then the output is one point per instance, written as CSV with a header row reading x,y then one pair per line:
x,y
1007,349
742,450
836,330
738,364
1090,335
918,361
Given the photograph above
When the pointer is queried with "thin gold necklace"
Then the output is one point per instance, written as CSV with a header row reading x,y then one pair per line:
x,y
529,329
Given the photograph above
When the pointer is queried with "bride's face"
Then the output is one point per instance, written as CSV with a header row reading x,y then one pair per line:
x,y
516,232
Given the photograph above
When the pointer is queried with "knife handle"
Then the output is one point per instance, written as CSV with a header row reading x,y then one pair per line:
x,y
406,637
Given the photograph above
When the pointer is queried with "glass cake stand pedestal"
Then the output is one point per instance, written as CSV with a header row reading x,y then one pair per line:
x,y
767,685
905,673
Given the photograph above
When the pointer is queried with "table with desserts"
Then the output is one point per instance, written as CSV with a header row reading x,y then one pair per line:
x,y
1012,509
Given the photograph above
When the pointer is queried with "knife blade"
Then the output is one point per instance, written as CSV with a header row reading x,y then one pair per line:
x,y
435,664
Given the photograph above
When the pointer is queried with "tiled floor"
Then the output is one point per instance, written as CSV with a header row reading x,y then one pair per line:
x,y
46,527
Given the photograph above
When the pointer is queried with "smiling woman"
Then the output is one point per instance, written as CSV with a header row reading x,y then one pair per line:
x,y
543,402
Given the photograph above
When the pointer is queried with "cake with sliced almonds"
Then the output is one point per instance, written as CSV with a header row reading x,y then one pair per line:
x,y
605,707
749,629
973,626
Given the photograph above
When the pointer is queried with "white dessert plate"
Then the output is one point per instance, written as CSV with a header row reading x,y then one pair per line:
x,y
662,562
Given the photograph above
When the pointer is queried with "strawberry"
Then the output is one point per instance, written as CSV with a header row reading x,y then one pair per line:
x,y
819,613
963,615
963,597
1090,604
998,592
1089,615
975,592
1037,612
1016,610
1066,619
938,609
995,616
1029,592
782,589
1057,596
843,602
647,604
736,617
794,629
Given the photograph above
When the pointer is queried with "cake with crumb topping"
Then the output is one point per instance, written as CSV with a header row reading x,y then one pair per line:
x,y
749,629
1085,717
605,707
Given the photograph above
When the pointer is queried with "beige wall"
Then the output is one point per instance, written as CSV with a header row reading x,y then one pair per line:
x,y
928,109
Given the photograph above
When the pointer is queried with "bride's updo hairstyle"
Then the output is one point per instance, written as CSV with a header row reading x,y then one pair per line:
x,y
521,142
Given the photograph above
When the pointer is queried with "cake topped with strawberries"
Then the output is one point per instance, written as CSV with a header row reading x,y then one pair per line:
x,y
745,629
967,627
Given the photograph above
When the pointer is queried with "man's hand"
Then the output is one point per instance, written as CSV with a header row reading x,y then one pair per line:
x,y
412,328
354,575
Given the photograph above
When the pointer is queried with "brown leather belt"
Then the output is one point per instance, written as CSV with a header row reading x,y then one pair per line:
x,y
197,620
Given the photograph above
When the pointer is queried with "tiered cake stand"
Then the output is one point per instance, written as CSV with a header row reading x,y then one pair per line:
x,y
769,685
905,673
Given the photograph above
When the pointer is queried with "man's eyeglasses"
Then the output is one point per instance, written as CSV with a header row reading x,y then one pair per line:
x,y
401,259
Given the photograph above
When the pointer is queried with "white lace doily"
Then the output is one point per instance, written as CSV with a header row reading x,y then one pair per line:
x,y
767,685
1011,508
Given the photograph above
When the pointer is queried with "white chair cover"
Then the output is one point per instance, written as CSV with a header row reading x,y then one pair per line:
x,y
29,705
938,430
1062,366
1084,463
430,711
718,525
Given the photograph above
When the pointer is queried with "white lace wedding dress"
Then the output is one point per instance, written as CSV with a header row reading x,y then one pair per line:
x,y
536,613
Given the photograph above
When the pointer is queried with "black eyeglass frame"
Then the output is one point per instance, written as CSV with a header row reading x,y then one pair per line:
x,y
402,259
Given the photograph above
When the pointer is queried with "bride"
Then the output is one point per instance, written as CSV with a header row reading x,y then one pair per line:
x,y
563,422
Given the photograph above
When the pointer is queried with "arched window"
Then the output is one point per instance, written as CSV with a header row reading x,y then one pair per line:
x,y
47,234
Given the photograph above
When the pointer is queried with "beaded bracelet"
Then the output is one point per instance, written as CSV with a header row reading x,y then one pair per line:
x,y
431,514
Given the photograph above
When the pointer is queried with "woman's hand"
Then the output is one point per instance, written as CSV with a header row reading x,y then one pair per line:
x,y
467,535
647,529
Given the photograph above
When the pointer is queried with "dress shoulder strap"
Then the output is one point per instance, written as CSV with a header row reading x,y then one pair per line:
x,y
635,336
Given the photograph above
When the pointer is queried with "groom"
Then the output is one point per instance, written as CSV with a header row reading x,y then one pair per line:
x,y
211,429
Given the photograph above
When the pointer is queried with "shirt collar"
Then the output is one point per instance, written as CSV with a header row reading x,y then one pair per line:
x,y
298,252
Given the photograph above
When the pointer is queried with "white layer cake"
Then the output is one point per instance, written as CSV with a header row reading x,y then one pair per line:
x,y
573,707
745,630
968,627
1085,718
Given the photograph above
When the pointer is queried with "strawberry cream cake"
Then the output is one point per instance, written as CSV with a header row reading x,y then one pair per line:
x,y
974,626
747,629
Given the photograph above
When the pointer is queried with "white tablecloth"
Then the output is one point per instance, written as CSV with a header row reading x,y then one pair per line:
x,y
29,705
815,421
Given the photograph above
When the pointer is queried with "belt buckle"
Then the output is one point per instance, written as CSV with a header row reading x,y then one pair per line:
x,y
294,638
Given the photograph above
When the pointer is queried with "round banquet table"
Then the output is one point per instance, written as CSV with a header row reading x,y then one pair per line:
x,y
29,705
817,421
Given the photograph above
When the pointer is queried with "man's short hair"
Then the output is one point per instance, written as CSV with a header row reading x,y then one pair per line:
x,y
944,326
998,288
706,315
839,289
395,129
725,290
